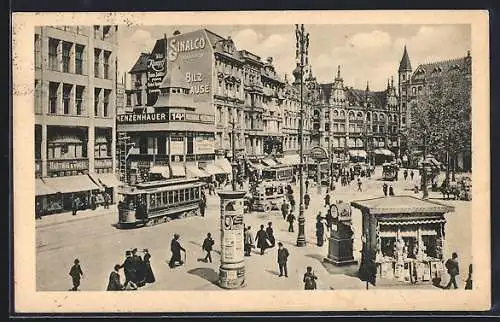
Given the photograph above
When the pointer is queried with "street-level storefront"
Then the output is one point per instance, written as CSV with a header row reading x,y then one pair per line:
x,y
403,237
383,156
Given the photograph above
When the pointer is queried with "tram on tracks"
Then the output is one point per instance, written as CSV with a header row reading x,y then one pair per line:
x,y
154,202
283,173
265,196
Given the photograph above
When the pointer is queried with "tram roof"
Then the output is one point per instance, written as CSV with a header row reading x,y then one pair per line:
x,y
400,205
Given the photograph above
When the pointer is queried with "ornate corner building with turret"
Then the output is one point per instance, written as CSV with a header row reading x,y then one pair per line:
x,y
414,85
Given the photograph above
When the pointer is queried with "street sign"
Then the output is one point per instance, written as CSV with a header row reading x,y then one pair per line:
x,y
318,153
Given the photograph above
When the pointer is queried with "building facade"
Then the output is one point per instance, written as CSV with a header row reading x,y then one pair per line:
x,y
415,84
75,104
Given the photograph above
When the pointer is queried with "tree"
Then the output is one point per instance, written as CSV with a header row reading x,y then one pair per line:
x,y
441,118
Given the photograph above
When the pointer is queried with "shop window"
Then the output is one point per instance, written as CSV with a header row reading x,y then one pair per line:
x,y
190,146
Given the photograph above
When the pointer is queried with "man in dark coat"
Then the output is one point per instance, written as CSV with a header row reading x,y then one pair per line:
x,y
93,202
384,188
452,267
320,231
129,268
309,279
203,204
405,174
261,239
329,219
290,218
208,243
106,200
149,277
327,200
284,209
391,191
307,200
114,280
282,259
292,204
359,185
139,267
76,273
270,234
74,205
307,185
411,174
175,248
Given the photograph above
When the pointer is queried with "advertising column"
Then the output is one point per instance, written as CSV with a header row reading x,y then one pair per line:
x,y
232,266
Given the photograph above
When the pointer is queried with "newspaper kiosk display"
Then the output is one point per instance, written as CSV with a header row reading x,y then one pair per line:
x,y
404,237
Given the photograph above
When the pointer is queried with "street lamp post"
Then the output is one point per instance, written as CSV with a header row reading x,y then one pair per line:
x,y
233,159
302,45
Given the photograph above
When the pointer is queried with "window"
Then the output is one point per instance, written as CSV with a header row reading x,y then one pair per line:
x,y
129,99
368,116
327,127
403,120
97,32
106,32
190,146
414,90
53,87
143,145
97,54
38,97
66,50
107,93
97,93
374,128
404,77
79,59
53,63
107,54
139,98
404,106
342,114
67,98
79,99
38,52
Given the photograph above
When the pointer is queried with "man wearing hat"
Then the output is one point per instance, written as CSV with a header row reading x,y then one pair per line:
x,y
76,273
129,268
114,280
175,248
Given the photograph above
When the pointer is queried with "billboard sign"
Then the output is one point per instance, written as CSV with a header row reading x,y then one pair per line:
x,y
192,55
156,72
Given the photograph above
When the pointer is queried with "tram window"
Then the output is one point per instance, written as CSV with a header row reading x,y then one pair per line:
x,y
170,197
269,191
176,197
152,200
197,192
186,194
164,197
181,195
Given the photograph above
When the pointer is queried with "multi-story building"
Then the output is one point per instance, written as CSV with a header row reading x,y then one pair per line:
x,y
75,95
413,85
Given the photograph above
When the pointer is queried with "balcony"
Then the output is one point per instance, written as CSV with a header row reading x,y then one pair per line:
x,y
79,164
103,163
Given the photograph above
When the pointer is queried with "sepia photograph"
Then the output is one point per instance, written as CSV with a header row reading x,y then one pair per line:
x,y
228,153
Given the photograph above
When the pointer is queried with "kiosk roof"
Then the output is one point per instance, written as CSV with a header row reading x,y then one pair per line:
x,y
400,204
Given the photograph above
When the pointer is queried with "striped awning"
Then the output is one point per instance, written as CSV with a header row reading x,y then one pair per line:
x,y
269,162
194,172
357,153
411,222
72,183
213,169
224,164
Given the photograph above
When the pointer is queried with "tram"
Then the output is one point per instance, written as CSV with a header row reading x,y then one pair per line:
x,y
282,173
266,196
154,202
390,171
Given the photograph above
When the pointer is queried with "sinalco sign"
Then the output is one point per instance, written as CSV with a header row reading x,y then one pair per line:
x,y
176,46
318,153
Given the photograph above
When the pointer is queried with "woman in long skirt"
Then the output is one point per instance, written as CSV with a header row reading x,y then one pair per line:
x,y
149,277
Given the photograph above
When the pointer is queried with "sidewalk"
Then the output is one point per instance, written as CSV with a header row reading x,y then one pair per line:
x,y
65,217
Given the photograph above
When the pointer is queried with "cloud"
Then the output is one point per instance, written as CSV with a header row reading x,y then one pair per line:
x,y
131,46
372,39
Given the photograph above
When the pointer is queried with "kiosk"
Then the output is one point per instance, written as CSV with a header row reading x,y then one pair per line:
x,y
403,237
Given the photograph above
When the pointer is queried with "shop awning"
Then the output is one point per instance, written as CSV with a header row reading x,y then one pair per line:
x,y
193,171
385,152
357,153
256,165
109,180
401,205
43,189
177,170
290,159
412,222
269,162
72,183
213,169
163,170
224,164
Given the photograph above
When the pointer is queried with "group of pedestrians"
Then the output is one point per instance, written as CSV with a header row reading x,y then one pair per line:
x,y
384,189
137,271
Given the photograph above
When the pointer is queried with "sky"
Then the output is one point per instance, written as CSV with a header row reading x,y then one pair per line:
x,y
364,52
